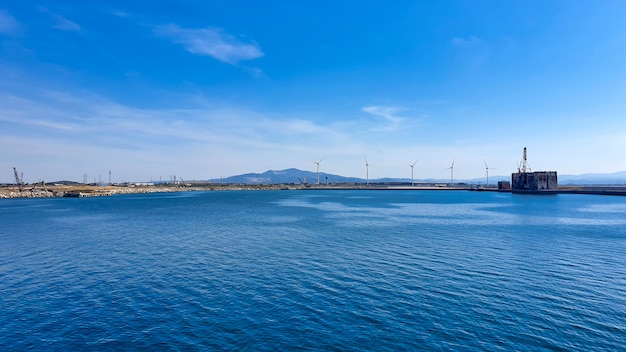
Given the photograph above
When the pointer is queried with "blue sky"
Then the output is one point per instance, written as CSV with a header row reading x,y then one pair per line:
x,y
205,89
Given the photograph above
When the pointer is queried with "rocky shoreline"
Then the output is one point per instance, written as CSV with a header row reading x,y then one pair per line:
x,y
98,191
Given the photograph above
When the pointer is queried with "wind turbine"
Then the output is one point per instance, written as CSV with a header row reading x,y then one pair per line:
x,y
411,165
318,169
367,165
487,172
451,172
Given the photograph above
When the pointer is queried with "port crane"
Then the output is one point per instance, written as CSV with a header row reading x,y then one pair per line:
x,y
18,181
523,166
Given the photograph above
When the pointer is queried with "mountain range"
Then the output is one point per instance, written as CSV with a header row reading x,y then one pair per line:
x,y
296,176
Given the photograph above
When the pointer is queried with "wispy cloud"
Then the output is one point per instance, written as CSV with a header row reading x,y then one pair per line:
x,y
61,23
211,42
95,120
388,113
64,24
119,13
8,24
468,42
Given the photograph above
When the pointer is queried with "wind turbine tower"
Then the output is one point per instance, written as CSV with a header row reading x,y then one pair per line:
x,y
452,172
367,179
318,170
487,172
411,165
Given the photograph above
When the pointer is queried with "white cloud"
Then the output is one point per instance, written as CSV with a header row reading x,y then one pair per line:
x,y
302,126
8,24
388,113
211,42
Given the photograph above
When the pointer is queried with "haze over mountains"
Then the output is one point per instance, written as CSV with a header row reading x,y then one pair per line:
x,y
297,176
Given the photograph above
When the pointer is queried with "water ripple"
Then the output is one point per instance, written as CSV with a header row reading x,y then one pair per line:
x,y
314,271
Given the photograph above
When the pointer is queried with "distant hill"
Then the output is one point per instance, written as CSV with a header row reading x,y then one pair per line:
x,y
296,176
65,182
617,178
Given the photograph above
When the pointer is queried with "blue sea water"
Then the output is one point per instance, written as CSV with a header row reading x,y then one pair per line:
x,y
314,270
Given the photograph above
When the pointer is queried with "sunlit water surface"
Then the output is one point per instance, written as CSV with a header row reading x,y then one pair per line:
x,y
314,270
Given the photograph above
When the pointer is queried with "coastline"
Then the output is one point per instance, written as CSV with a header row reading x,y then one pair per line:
x,y
81,191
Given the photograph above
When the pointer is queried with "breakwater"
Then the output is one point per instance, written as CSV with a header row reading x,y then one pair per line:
x,y
81,191
598,190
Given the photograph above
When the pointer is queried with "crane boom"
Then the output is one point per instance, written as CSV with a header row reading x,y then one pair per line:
x,y
524,167
20,183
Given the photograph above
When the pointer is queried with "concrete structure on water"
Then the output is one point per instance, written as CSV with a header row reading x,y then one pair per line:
x,y
504,186
524,181
534,182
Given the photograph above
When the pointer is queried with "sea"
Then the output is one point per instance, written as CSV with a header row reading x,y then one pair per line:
x,y
314,270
